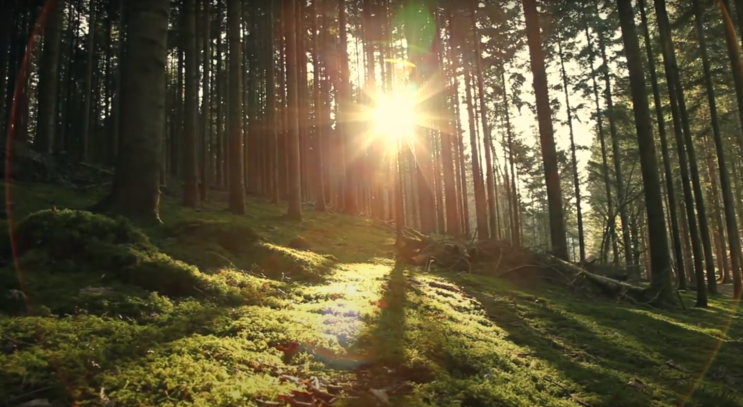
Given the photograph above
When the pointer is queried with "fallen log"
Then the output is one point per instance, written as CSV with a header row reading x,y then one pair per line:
x,y
502,259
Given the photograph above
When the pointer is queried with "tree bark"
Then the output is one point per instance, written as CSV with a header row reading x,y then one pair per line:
x,y
684,140
576,181
344,100
727,194
48,78
136,187
206,144
616,155
235,125
660,261
191,110
85,136
295,194
672,205
558,237
487,139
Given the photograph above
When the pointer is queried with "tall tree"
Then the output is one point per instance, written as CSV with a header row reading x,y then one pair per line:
x,y
558,237
735,61
136,187
273,134
295,193
574,159
616,154
343,107
611,235
685,146
318,118
48,78
206,104
235,126
191,117
660,261
727,192
89,94
660,119
489,172
480,197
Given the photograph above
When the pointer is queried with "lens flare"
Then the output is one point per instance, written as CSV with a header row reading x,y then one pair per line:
x,y
394,115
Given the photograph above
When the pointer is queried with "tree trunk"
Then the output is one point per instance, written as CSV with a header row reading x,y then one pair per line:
x,y
136,186
235,125
717,226
319,182
515,231
604,162
295,194
48,78
558,238
672,206
347,144
191,110
660,285
735,61
576,182
89,82
218,96
669,55
727,194
447,134
616,155
487,140
683,140
480,198
272,117
206,144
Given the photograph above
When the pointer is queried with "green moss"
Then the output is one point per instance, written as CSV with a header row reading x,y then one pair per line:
x,y
452,340
66,233
90,247
215,244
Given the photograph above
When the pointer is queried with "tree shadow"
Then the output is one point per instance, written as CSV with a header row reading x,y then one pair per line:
x,y
384,336
67,356
600,360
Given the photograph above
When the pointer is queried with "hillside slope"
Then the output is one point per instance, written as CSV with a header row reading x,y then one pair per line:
x,y
271,306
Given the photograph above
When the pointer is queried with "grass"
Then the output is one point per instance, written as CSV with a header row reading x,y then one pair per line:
x,y
429,338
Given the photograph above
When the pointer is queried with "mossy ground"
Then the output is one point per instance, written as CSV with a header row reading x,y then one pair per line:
x,y
455,339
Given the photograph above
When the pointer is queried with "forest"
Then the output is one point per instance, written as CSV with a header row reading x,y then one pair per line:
x,y
371,203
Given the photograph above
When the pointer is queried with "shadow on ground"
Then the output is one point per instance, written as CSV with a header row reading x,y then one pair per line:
x,y
611,354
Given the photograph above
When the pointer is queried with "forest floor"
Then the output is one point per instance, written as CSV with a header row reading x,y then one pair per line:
x,y
259,319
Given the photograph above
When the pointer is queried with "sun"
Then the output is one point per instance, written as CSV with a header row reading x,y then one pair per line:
x,y
394,115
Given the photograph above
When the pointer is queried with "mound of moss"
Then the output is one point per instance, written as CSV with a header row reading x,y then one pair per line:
x,y
233,236
80,243
282,263
214,244
67,233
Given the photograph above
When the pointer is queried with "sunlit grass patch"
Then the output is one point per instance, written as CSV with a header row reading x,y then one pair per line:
x,y
716,332
357,317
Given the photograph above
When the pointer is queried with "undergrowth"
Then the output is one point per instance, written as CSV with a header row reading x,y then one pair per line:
x,y
191,313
